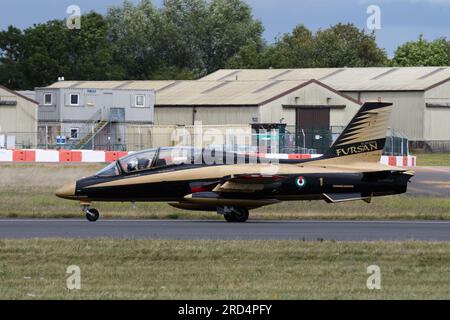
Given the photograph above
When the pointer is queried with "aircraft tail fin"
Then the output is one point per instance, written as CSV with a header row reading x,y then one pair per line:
x,y
364,137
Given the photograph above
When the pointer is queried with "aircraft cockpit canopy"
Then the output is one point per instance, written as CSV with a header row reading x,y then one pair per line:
x,y
110,171
149,159
159,158
138,161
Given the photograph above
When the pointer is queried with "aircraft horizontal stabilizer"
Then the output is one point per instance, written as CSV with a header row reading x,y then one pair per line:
x,y
343,197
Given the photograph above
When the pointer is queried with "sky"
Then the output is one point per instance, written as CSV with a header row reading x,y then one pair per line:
x,y
401,20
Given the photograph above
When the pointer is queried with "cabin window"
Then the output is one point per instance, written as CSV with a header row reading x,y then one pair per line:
x,y
48,99
74,99
139,101
74,133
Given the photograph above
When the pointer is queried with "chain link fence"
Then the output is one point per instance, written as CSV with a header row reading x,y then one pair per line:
x,y
311,141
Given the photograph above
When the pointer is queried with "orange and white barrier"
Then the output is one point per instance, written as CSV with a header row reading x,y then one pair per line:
x,y
398,161
91,156
49,156
6,155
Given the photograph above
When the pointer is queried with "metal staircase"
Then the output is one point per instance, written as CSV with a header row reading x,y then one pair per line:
x,y
90,129
85,142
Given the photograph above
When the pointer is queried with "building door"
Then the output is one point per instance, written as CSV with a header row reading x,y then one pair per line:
x,y
108,103
313,128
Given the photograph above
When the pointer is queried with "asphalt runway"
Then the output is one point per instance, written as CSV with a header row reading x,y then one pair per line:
x,y
430,181
252,230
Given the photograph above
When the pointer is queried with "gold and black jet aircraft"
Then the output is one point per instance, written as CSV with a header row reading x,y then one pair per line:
x,y
232,184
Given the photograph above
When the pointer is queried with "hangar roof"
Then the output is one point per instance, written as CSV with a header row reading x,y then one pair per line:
x,y
199,92
124,85
19,95
259,86
347,79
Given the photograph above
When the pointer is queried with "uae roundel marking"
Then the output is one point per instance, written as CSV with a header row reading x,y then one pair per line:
x,y
300,182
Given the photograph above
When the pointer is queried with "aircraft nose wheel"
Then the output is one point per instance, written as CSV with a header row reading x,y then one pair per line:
x,y
92,214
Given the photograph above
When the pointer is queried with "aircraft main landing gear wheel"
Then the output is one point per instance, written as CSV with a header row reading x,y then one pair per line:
x,y
92,215
235,214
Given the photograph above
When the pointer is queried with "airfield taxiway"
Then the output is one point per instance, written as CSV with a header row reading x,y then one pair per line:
x,y
218,230
429,181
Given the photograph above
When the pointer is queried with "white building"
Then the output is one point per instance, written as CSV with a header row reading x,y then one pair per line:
x,y
18,120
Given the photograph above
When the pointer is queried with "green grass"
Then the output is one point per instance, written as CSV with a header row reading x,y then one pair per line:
x,y
433,159
146,269
27,191
141,269
33,202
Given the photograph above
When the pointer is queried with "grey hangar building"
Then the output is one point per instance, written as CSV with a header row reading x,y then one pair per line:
x,y
294,99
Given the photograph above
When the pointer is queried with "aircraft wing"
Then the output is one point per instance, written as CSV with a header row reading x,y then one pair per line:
x,y
216,199
231,190
248,183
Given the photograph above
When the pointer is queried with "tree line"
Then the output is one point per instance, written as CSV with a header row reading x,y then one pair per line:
x,y
187,39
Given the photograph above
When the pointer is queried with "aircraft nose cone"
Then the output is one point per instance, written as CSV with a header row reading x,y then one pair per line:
x,y
66,192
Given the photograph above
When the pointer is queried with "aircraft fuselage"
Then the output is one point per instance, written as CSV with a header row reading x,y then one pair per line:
x,y
165,186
